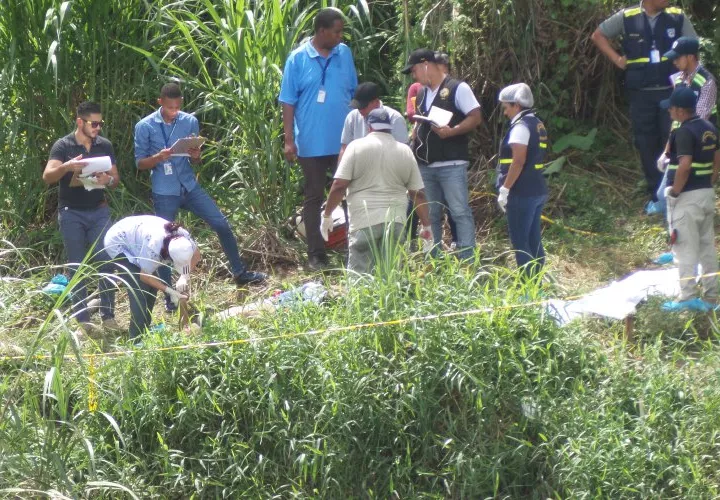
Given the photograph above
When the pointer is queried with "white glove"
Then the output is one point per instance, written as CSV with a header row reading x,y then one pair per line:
x,y
503,198
174,295
426,235
183,284
326,226
671,200
662,162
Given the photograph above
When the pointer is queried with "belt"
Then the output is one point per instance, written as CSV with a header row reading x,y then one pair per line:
x,y
85,209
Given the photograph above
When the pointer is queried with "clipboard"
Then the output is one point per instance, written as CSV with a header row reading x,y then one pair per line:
x,y
182,146
437,116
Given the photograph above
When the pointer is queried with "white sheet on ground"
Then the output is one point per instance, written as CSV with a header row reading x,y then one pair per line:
x,y
619,299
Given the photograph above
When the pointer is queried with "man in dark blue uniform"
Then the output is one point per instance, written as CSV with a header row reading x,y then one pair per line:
x,y
648,31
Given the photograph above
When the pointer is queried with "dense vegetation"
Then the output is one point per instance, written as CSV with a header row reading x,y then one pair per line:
x,y
496,403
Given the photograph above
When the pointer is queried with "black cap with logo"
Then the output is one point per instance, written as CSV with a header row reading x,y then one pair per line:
x,y
418,56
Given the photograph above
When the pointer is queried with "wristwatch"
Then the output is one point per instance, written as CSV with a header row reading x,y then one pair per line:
x,y
112,181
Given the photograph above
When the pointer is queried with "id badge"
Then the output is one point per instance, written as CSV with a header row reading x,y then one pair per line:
x,y
321,96
654,56
168,168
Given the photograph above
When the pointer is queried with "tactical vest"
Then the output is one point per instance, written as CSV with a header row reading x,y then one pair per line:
x,y
701,76
427,145
640,40
531,181
705,137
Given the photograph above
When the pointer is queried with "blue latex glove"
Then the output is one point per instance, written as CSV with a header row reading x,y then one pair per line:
x,y
695,304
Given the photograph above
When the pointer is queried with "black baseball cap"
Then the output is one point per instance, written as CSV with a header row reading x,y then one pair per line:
x,y
418,56
365,93
683,97
683,46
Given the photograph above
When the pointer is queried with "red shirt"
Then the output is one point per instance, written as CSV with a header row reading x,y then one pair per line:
x,y
410,103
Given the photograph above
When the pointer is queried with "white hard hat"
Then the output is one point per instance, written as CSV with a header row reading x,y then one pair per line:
x,y
518,93
181,251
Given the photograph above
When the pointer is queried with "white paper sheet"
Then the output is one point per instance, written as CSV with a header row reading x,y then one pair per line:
x,y
96,165
437,116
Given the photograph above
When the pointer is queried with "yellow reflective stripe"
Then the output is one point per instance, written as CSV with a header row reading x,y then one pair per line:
x,y
505,161
539,166
699,79
672,167
703,172
673,10
701,165
633,12
639,61
675,125
543,145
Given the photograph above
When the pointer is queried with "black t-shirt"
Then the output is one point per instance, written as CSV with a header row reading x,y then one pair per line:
x,y
684,142
67,148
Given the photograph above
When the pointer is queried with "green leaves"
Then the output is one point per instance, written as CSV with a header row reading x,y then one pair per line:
x,y
576,141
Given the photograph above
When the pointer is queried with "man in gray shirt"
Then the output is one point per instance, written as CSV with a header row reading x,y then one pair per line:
x,y
647,30
367,98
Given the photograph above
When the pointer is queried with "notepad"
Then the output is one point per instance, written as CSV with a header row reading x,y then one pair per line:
x,y
95,165
437,116
184,145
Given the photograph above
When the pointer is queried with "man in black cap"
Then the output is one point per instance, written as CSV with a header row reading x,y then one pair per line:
x,y
692,172
367,98
442,148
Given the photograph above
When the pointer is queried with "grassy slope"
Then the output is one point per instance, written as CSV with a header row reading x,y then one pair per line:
x,y
484,405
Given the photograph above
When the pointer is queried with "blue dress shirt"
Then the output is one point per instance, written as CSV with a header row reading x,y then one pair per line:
x,y
318,126
149,140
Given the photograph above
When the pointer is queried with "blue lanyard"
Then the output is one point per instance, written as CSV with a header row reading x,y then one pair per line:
x,y
165,136
324,69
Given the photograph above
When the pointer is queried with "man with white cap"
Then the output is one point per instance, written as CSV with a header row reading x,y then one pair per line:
x,y
521,184
378,174
139,245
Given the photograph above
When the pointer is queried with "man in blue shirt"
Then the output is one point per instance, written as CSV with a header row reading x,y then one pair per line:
x,y
318,83
173,179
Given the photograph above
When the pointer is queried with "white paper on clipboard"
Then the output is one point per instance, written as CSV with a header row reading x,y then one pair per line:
x,y
95,165
182,146
437,116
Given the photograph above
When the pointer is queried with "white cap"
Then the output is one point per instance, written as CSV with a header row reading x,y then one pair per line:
x,y
181,251
518,93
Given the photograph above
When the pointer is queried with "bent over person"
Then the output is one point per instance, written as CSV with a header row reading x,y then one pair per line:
x,y
174,185
379,174
83,212
692,172
648,31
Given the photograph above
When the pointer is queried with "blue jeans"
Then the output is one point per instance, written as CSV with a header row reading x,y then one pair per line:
x,y
448,185
523,216
83,232
199,203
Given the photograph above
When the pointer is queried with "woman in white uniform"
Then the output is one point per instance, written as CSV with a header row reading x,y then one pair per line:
x,y
138,246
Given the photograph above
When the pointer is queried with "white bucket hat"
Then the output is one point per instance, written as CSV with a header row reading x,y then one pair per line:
x,y
181,251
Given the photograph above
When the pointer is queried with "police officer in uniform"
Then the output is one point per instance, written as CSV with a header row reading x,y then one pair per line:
x,y
648,31
692,172
521,184
442,151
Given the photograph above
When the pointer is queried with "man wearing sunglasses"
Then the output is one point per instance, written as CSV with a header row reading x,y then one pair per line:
x,y
83,212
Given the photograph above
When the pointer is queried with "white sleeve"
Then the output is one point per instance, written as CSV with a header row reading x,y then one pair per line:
x,y
345,169
519,134
465,99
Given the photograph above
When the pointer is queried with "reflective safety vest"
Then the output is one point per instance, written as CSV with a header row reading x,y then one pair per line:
x,y
701,76
531,181
705,140
640,41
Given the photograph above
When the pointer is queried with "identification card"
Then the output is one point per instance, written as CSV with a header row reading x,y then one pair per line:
x,y
654,56
321,96
168,168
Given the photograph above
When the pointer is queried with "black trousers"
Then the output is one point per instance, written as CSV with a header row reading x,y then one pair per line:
x,y
651,129
315,170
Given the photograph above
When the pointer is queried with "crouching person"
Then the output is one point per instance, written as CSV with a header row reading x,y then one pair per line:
x,y
693,169
378,174
139,245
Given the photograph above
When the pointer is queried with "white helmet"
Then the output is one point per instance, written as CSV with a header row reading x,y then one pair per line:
x,y
181,251
518,93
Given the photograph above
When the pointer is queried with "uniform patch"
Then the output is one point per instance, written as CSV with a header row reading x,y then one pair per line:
x,y
671,34
709,136
444,93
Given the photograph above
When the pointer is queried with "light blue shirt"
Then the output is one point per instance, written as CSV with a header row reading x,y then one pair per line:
x,y
149,140
318,126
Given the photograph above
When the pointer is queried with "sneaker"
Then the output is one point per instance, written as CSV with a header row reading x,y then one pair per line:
x,y
318,262
663,259
695,304
250,278
653,208
111,325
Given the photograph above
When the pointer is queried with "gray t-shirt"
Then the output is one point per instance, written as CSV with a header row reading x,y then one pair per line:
x,y
614,26
356,127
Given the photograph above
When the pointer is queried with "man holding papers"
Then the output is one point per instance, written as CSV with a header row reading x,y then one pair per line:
x,y
83,212
173,180
446,112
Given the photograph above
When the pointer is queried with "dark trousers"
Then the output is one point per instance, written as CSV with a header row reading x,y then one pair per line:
x,y
523,216
83,232
651,129
315,170
140,294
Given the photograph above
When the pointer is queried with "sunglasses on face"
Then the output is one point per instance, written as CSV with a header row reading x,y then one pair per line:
x,y
93,124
